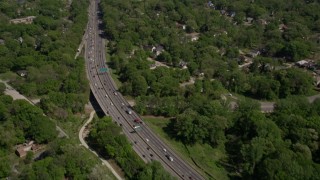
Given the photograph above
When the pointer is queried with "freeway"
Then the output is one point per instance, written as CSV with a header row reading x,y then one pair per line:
x,y
145,143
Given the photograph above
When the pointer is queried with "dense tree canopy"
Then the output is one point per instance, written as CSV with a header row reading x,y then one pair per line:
x,y
107,139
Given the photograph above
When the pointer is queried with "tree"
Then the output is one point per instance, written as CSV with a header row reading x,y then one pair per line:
x,y
293,82
153,171
4,167
2,88
296,50
254,152
44,169
42,130
139,85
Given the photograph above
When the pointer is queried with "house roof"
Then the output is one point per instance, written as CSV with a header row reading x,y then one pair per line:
x,y
20,152
22,72
159,48
302,62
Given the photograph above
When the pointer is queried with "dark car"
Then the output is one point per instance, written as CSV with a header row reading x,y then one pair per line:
x,y
137,121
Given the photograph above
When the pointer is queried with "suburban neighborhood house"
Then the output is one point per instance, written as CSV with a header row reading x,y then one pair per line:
x,y
22,73
157,50
23,149
193,36
25,20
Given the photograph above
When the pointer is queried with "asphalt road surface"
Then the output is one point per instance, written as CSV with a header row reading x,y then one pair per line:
x,y
145,143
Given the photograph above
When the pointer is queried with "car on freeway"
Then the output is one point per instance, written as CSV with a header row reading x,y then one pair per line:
x,y
107,95
164,150
147,139
137,121
129,111
169,157
115,93
111,104
136,127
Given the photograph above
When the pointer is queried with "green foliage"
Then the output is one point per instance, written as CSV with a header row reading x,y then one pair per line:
x,y
42,130
106,137
2,88
4,167
153,171
46,49
44,169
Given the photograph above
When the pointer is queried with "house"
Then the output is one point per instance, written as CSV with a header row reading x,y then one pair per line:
x,y
22,73
262,21
282,27
254,53
211,5
193,36
231,14
249,20
302,63
244,59
23,149
223,12
25,20
307,63
183,65
181,26
157,50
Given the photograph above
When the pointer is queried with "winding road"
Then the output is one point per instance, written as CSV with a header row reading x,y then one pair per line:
x,y
83,143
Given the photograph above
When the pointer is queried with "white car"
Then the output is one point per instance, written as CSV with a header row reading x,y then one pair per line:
x,y
111,104
129,111
147,139
169,157
107,95
164,150
115,93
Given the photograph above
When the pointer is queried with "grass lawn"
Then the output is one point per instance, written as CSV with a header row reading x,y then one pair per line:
x,y
204,156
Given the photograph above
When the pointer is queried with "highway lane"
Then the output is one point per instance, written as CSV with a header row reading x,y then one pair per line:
x,y
97,86
121,101
94,77
102,85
